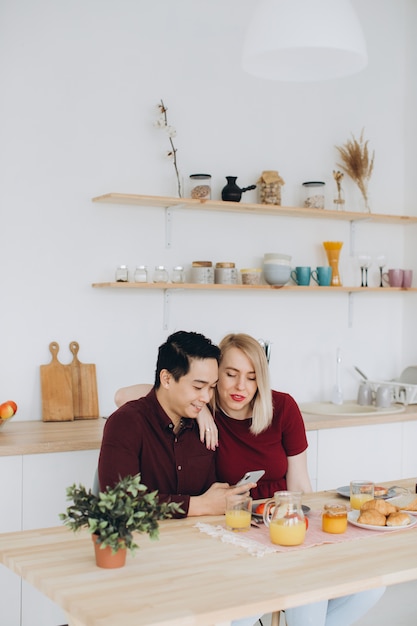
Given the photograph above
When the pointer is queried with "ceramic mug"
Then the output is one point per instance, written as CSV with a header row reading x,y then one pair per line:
x,y
394,277
301,275
364,395
407,278
322,275
383,396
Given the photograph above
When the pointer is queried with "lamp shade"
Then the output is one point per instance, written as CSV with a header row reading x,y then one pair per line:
x,y
304,40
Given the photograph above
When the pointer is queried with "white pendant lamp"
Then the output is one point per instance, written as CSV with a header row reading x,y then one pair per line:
x,y
304,40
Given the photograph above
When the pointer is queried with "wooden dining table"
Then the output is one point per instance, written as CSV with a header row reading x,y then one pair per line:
x,y
189,578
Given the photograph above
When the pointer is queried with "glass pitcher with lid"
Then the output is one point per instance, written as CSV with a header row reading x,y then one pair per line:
x,y
284,516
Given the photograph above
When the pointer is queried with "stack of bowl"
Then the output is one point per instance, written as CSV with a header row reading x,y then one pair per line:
x,y
277,268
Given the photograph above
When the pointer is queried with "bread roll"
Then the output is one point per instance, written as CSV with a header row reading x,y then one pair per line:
x,y
380,491
372,517
398,519
382,506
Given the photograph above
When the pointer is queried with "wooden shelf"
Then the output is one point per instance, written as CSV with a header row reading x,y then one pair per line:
x,y
241,207
212,287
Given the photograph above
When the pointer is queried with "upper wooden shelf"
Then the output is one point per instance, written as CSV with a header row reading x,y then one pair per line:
x,y
211,287
241,207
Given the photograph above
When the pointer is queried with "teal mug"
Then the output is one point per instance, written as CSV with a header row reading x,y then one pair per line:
x,y
322,275
301,275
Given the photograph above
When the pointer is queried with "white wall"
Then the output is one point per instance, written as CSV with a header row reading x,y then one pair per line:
x,y
80,81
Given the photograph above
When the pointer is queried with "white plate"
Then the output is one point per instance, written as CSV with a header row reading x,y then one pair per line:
x,y
345,492
353,516
402,501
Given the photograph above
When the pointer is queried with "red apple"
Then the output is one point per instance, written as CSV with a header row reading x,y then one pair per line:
x,y
7,409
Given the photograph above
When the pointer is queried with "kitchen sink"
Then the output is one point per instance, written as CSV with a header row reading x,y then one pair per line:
x,y
347,409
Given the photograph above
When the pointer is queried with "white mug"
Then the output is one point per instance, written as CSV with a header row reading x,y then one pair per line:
x,y
383,396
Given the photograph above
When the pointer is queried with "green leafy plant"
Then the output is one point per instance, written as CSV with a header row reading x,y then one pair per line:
x,y
116,513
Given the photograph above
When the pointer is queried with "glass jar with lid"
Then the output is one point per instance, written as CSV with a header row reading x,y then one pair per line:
x,y
200,186
334,518
225,274
178,274
141,274
122,274
314,194
160,274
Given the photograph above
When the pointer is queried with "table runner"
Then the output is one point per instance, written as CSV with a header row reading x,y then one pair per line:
x,y
257,542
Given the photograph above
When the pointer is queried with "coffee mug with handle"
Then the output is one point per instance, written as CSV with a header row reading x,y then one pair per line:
x,y
394,277
301,275
322,275
407,278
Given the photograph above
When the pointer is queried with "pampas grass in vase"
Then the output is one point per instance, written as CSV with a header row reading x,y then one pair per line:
x,y
358,163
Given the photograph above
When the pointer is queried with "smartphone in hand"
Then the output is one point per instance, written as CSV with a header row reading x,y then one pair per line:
x,y
250,477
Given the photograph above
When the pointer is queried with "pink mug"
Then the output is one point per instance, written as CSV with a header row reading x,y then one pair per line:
x,y
407,278
394,277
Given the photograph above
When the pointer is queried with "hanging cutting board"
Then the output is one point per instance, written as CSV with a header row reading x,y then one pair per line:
x,y
84,386
56,388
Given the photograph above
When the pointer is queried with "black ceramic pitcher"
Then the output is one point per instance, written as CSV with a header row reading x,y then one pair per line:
x,y
232,192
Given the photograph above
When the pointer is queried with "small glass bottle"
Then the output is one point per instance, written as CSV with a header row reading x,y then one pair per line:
x,y
314,194
200,186
160,274
141,274
122,274
178,274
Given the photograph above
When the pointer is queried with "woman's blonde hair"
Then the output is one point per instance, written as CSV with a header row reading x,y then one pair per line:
x,y
262,401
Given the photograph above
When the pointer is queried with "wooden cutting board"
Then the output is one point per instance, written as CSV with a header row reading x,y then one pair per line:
x,y
56,388
84,386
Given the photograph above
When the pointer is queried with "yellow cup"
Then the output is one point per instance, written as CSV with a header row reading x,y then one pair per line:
x,y
238,513
360,492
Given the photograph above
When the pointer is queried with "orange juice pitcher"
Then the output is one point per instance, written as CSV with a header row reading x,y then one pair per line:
x,y
333,253
285,518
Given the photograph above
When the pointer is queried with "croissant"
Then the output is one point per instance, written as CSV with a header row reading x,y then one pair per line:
x,y
398,519
372,517
382,506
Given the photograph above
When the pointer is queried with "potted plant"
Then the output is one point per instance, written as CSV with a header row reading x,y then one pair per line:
x,y
113,515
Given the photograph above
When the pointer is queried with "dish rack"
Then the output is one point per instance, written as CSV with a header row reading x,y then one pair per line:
x,y
402,393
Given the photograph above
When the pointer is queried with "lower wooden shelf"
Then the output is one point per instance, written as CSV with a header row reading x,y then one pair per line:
x,y
216,287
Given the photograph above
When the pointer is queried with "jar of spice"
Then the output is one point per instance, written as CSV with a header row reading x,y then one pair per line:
x,y
202,272
200,186
270,184
160,274
141,274
225,274
314,194
122,274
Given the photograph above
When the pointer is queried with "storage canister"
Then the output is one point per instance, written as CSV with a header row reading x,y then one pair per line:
x,y
122,274
225,274
200,186
314,194
141,274
270,184
202,272
160,274
178,274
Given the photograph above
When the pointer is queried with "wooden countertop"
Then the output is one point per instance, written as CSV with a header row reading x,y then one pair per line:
x,y
37,437
189,578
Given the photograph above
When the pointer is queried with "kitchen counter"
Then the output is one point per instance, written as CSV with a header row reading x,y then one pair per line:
x,y
37,437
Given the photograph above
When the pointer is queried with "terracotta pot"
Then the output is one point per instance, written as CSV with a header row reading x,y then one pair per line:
x,y
106,558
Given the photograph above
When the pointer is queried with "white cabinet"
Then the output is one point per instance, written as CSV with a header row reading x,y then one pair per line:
x,y
359,452
33,493
10,520
409,456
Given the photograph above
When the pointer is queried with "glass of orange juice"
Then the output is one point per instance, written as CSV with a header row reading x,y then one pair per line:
x,y
334,518
238,513
360,491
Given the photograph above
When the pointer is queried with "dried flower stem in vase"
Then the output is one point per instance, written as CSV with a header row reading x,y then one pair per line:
x,y
339,200
358,164
162,122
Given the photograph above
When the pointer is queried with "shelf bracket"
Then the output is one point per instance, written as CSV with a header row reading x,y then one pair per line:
x,y
352,239
168,227
350,309
167,296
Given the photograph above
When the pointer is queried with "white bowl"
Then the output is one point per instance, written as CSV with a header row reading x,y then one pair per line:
x,y
277,274
277,256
